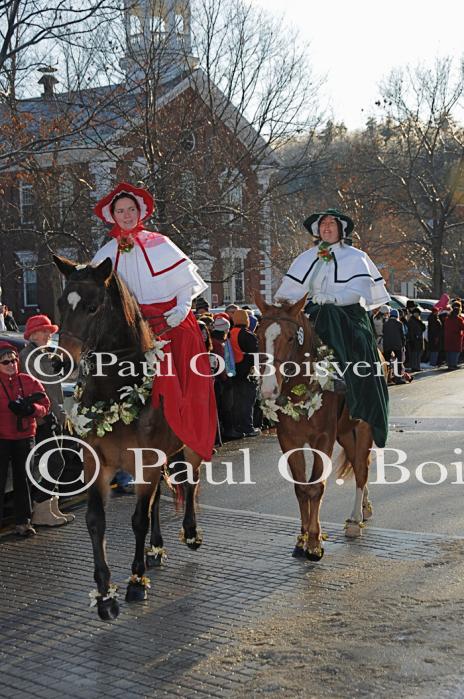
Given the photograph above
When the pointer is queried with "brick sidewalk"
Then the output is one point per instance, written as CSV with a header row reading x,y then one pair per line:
x,y
54,645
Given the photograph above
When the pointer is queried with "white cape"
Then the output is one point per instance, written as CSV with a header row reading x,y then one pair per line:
x,y
156,271
351,269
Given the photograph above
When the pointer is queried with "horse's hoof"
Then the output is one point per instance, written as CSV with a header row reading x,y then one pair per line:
x,y
300,547
367,511
353,530
137,588
193,542
108,609
155,557
315,554
153,561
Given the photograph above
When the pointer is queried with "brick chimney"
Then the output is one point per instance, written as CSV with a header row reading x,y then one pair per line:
x,y
48,81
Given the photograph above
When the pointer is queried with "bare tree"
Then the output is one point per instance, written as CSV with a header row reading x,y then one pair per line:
x,y
213,161
33,35
25,24
419,151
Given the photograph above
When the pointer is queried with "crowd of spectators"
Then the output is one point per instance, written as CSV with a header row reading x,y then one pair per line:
x,y
230,336
409,345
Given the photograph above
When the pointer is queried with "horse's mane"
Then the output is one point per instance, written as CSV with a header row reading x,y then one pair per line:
x,y
283,309
278,313
136,325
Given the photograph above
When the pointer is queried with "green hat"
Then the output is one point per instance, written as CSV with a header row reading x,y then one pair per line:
x,y
312,222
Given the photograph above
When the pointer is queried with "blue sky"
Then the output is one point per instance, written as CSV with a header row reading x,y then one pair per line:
x,y
355,44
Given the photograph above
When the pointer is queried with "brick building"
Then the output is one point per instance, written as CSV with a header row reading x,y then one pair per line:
x,y
165,125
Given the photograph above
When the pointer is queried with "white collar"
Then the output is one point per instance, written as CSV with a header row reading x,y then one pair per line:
x,y
335,246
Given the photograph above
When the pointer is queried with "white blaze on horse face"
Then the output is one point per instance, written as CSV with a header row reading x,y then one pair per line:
x,y
73,299
269,385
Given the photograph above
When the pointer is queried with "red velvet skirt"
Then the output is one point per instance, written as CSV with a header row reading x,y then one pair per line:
x,y
188,401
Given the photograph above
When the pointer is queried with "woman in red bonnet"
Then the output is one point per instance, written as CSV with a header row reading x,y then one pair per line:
x,y
164,281
22,400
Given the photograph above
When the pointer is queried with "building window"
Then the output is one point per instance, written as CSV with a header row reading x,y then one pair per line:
x,y
158,26
70,254
26,203
234,280
239,281
28,262
232,184
66,195
187,141
188,187
135,26
180,24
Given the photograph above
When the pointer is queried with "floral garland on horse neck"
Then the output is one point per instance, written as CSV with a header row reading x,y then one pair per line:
x,y
310,395
102,415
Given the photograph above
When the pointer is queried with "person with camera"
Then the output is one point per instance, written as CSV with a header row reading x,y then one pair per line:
x,y
22,401
40,361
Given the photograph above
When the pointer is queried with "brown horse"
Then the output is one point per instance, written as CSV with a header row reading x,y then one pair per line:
x,y
100,315
287,335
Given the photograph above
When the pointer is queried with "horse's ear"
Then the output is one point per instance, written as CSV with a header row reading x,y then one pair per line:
x,y
260,302
65,266
103,271
298,306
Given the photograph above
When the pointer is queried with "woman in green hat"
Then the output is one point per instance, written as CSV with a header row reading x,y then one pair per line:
x,y
342,284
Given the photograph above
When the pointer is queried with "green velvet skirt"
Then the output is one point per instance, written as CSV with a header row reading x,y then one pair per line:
x,y
348,331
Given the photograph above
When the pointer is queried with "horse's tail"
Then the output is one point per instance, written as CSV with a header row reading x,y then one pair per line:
x,y
341,464
179,497
177,489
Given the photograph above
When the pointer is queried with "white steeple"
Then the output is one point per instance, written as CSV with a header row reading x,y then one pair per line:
x,y
158,39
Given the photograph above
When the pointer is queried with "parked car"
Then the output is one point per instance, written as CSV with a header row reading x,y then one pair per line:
x,y
399,302
14,338
252,306
426,304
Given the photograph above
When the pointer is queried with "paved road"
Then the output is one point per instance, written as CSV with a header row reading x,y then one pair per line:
x,y
427,424
377,617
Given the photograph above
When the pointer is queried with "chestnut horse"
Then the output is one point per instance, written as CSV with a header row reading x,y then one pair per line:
x,y
286,334
99,314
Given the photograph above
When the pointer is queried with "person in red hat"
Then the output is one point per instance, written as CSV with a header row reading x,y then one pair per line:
x,y
164,281
22,401
37,358
443,303
40,324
